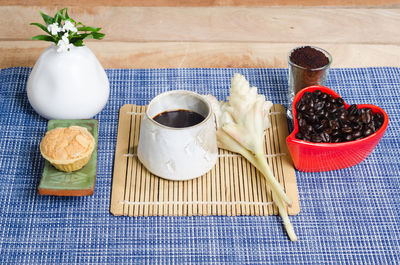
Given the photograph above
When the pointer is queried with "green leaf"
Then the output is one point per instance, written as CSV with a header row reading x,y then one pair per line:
x,y
43,27
66,13
48,19
59,16
73,21
67,17
79,37
97,35
78,43
43,37
89,29
62,11
89,36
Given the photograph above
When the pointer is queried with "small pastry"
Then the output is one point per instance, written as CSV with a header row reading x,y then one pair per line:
x,y
68,149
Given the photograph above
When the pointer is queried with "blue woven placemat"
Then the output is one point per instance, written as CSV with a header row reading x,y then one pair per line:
x,y
347,216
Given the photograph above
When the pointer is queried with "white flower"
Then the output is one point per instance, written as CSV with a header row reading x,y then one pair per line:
x,y
53,28
63,44
69,26
65,38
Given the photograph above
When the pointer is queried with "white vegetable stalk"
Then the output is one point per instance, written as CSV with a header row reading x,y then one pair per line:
x,y
241,125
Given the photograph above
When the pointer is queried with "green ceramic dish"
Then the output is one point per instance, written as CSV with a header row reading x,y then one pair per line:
x,y
77,183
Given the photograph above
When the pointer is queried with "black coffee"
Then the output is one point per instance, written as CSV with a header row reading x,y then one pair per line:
x,y
178,118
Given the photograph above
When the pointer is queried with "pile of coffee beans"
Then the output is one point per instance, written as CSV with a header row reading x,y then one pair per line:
x,y
323,119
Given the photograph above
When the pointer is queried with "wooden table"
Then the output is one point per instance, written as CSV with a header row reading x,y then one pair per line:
x,y
213,33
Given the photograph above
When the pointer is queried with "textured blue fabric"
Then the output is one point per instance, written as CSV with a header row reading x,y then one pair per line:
x,y
349,216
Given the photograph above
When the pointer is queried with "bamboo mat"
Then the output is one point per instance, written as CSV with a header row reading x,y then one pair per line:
x,y
232,187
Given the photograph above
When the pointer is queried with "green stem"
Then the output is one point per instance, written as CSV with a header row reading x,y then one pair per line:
x,y
286,221
260,162
279,196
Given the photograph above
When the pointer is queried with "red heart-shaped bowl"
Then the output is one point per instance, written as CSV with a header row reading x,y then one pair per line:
x,y
317,157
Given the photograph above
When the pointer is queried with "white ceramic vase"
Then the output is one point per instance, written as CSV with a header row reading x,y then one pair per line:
x,y
68,85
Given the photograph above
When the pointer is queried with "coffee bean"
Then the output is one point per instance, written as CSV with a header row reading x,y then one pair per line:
x,y
366,117
336,134
298,105
320,113
319,105
355,126
340,101
302,122
344,122
378,124
371,126
367,132
318,127
302,107
346,129
379,117
316,139
307,95
351,117
318,93
352,110
314,118
342,116
357,134
348,137
331,116
334,124
325,137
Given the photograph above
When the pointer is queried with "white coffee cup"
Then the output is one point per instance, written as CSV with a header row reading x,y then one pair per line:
x,y
178,153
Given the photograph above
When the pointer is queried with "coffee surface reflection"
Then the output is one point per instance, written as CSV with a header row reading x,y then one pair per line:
x,y
178,118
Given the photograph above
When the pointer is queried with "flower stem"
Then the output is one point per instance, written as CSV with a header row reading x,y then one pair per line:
x,y
279,196
286,221
260,162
